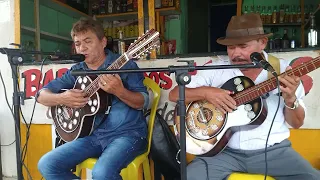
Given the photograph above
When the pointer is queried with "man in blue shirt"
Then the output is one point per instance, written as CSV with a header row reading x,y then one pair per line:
x,y
117,139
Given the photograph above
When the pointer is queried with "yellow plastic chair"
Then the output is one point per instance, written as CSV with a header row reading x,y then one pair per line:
x,y
246,176
132,170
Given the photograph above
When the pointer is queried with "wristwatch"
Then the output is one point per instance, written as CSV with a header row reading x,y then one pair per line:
x,y
295,105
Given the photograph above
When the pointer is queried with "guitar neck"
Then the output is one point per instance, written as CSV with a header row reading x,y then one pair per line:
x,y
271,84
94,86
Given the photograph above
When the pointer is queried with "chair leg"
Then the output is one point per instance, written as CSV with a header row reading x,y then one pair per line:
x,y
133,172
78,171
146,169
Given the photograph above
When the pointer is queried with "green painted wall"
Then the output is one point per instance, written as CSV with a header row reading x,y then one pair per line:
x,y
177,29
51,21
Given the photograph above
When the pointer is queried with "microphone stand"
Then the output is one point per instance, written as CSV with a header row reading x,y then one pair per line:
x,y
182,78
15,58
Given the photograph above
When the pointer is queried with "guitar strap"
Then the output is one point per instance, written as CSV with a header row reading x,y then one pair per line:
x,y
275,63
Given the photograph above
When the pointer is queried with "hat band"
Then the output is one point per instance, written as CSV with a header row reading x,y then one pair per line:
x,y
244,32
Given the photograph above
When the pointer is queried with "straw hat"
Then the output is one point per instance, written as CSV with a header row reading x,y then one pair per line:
x,y
242,29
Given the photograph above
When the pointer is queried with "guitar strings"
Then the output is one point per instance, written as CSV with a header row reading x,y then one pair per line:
x,y
95,83
271,81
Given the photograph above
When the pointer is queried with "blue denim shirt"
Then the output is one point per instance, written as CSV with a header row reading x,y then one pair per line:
x,y
122,119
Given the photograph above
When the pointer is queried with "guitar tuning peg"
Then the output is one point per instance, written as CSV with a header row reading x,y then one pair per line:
x,y
134,41
147,31
131,43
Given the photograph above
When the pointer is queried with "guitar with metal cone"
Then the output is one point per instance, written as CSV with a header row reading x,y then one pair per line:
x,y
208,130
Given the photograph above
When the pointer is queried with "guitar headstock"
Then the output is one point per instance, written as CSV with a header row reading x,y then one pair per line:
x,y
144,44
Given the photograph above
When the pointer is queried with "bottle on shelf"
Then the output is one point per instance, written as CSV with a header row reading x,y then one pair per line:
x,y
95,7
157,4
281,13
285,39
258,10
164,3
102,7
287,15
135,5
121,43
263,15
312,33
298,16
245,10
129,5
123,6
274,15
117,4
268,17
110,6
293,42
252,9
292,18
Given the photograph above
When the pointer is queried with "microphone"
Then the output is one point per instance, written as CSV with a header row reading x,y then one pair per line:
x,y
74,57
259,58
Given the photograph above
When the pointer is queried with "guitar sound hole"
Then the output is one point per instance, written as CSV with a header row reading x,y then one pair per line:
x,y
66,112
204,115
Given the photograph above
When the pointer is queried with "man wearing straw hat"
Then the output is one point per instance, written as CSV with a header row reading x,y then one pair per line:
x,y
245,151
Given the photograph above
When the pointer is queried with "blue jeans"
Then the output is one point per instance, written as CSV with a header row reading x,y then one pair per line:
x,y
57,164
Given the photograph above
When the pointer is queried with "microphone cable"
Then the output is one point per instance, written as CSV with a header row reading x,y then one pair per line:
x,y
265,150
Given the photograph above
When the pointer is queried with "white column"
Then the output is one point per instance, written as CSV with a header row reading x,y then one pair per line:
x,y
10,33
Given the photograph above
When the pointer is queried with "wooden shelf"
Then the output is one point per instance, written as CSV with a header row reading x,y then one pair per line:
x,y
46,35
283,24
119,16
63,8
168,11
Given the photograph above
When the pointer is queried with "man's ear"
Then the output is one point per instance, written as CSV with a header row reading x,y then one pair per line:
x,y
263,42
104,41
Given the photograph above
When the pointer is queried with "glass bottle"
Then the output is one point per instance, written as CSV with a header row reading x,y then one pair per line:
x,y
117,4
274,15
299,14
292,14
263,15
245,10
281,14
129,5
312,33
269,16
258,9
252,9
286,15
285,39
293,42
110,6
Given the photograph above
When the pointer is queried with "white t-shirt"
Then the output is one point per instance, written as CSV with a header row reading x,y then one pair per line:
x,y
251,139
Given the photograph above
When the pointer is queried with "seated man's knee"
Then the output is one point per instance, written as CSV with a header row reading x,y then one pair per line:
x,y
98,173
44,165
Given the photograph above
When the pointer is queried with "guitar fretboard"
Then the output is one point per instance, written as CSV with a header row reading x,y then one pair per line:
x,y
271,84
94,86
